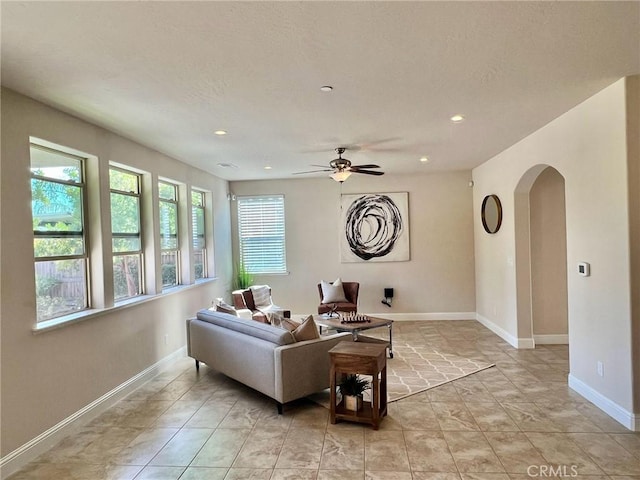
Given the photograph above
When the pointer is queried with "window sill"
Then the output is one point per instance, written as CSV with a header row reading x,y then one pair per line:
x,y
78,317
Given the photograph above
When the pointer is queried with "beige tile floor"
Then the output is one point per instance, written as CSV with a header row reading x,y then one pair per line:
x,y
513,421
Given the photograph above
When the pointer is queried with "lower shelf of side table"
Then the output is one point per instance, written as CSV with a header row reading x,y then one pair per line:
x,y
364,415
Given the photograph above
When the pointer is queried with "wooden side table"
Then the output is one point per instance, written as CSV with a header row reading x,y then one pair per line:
x,y
365,359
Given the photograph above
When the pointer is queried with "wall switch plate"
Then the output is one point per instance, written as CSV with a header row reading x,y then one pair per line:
x,y
600,367
584,269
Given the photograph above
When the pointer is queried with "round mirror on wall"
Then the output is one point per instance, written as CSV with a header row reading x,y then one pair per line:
x,y
491,213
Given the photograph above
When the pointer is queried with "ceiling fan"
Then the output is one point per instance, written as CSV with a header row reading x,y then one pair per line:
x,y
342,168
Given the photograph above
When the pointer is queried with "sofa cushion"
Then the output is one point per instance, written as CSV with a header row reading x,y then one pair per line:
x,y
332,292
255,329
306,331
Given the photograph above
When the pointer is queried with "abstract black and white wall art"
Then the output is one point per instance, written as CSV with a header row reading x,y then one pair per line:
x,y
375,227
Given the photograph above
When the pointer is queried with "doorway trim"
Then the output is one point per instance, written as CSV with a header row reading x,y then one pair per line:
x,y
523,261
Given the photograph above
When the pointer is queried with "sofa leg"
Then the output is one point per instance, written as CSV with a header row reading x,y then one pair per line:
x,y
279,405
197,365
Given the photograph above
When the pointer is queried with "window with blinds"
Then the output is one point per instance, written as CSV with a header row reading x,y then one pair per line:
x,y
261,234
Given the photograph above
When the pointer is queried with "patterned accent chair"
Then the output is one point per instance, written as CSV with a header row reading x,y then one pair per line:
x,y
243,299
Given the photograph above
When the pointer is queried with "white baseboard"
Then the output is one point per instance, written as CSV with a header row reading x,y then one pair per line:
x,y
24,454
556,339
611,408
426,316
412,316
506,336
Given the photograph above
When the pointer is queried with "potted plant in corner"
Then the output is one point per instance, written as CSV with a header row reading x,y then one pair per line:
x,y
243,278
351,388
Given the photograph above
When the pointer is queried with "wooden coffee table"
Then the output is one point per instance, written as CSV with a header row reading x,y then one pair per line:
x,y
356,327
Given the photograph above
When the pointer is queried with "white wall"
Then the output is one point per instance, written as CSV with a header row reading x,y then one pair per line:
x,y
633,161
50,375
439,278
587,145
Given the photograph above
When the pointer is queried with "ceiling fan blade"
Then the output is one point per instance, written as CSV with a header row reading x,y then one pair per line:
x,y
368,172
321,166
314,171
365,166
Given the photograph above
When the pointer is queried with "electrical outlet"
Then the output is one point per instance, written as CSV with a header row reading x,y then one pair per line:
x,y
600,367
166,339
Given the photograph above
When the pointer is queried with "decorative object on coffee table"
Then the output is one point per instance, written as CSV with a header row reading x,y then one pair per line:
x,y
354,317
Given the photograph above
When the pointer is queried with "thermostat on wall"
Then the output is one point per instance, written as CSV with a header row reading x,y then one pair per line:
x,y
584,269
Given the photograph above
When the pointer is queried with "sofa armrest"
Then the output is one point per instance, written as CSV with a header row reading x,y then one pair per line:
x,y
303,368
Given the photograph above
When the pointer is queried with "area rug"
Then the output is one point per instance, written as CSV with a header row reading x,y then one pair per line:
x,y
416,369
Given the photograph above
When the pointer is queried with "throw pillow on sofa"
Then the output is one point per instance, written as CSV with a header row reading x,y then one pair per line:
x,y
333,292
288,324
306,331
226,308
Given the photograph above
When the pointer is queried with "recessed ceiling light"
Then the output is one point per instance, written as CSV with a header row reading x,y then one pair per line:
x,y
220,132
326,88
268,167
457,118
424,159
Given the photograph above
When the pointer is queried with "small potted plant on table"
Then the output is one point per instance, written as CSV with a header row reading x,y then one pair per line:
x,y
351,388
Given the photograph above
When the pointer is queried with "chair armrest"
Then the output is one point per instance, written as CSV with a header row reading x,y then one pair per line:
x,y
245,313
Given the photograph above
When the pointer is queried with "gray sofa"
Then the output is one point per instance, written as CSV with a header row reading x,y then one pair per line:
x,y
262,356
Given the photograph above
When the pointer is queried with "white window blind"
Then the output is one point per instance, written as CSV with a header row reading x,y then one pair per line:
x,y
261,232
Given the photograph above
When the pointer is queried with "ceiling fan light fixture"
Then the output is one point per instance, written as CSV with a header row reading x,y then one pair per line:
x,y
341,176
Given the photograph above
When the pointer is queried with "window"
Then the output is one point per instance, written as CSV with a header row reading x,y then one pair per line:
x,y
261,233
60,250
199,239
169,247
126,233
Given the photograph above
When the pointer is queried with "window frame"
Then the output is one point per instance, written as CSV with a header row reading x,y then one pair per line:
x,y
82,234
244,252
176,251
140,251
202,207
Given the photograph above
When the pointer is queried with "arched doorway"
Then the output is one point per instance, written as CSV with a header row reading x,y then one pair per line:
x,y
541,257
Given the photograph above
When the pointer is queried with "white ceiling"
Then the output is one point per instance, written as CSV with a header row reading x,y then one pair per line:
x,y
167,74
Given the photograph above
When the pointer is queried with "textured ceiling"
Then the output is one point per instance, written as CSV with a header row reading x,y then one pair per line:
x,y
167,74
